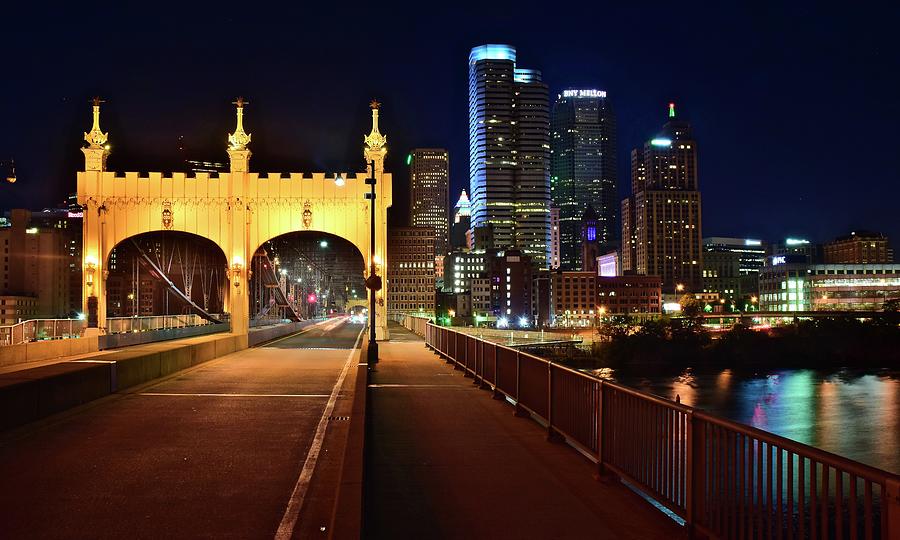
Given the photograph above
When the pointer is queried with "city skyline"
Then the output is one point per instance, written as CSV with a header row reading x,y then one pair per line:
x,y
750,88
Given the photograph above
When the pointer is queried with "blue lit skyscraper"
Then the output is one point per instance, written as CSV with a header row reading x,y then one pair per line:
x,y
509,151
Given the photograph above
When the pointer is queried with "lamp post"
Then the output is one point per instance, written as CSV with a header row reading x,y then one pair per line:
x,y
373,282
11,179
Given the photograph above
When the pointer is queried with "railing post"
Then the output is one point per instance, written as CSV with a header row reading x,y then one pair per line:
x,y
494,393
520,411
552,434
892,508
695,488
601,473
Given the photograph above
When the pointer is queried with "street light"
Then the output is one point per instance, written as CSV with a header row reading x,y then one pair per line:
x,y
323,244
12,170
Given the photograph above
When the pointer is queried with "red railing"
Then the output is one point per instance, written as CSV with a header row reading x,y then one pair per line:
x,y
723,478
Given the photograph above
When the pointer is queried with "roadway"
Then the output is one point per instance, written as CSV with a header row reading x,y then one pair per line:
x,y
221,450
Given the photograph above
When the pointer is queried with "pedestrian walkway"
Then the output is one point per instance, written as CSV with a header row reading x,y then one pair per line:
x,y
447,461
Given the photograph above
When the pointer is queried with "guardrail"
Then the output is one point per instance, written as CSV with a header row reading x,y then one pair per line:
x,y
123,325
723,478
40,329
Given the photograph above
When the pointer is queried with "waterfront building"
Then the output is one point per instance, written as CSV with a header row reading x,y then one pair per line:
x,y
461,267
859,247
583,168
722,276
799,246
573,297
509,141
429,178
789,283
411,270
661,220
511,288
638,296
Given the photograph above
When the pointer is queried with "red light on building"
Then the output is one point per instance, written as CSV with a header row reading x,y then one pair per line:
x,y
311,298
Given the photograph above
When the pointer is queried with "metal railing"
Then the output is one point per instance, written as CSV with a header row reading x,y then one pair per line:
x,y
122,325
40,329
723,478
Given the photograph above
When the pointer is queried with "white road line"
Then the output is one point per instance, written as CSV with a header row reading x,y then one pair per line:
x,y
236,395
295,503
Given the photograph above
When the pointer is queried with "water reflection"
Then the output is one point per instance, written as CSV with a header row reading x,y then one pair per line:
x,y
852,414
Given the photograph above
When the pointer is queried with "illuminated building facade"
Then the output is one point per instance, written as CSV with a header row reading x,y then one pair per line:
x,y
731,266
459,229
799,246
661,220
509,141
511,283
573,295
411,270
631,295
554,238
859,247
583,168
788,283
590,239
429,177
37,270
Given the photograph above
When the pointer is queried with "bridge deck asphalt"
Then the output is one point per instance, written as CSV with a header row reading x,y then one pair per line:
x,y
213,451
447,461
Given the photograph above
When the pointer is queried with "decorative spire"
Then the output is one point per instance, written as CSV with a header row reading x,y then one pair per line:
x,y
239,139
375,140
96,138
672,109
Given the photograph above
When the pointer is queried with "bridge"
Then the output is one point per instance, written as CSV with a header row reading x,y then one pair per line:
x,y
285,431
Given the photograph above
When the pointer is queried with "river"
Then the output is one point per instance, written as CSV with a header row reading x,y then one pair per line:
x,y
852,414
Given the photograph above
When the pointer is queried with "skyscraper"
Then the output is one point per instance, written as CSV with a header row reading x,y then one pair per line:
x,y
509,142
583,168
429,177
661,220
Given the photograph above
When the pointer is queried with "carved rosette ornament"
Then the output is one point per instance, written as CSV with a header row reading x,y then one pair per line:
x,y
307,215
167,216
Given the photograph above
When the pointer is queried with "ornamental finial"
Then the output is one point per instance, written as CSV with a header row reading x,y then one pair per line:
x,y
375,140
96,138
239,139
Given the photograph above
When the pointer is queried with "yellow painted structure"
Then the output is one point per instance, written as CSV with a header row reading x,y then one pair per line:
x,y
239,211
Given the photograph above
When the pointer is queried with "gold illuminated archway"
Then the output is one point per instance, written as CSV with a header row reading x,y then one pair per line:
x,y
238,210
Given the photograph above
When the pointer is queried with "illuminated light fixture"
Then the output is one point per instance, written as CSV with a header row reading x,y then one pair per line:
x,y
234,273
672,109
31,230
749,242
311,298
661,142
408,159
90,267
502,322
523,321
339,181
795,241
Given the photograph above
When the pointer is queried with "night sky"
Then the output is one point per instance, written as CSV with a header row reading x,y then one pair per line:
x,y
795,109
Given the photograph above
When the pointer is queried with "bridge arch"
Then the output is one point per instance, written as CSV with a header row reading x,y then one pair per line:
x,y
237,210
164,272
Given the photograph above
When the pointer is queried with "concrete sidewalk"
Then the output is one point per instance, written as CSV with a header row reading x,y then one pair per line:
x,y
446,461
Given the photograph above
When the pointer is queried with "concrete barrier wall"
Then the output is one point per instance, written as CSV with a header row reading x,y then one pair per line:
x,y
46,350
31,394
130,339
268,333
